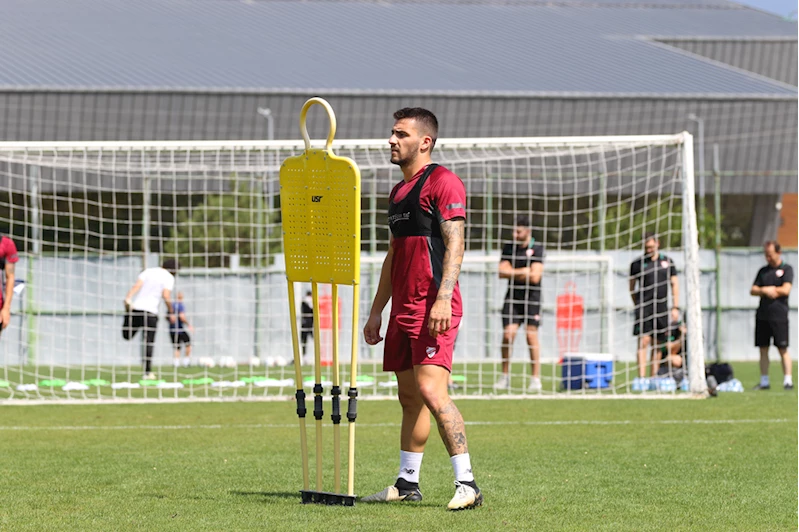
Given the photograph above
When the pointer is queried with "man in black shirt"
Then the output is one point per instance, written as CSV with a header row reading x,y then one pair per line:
x,y
650,278
773,285
522,263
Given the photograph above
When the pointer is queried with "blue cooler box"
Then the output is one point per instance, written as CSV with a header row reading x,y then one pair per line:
x,y
592,370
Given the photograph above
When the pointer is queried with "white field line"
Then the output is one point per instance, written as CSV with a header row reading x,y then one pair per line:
x,y
366,425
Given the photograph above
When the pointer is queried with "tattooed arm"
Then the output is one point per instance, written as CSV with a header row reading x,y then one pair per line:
x,y
452,232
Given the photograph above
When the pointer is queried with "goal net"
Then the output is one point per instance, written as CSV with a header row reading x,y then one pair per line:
x,y
87,218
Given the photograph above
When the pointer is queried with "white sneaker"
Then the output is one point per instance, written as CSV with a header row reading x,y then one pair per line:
x,y
503,382
176,362
535,385
186,362
465,497
149,376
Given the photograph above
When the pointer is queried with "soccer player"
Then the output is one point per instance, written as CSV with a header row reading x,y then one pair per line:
x,y
650,278
426,216
522,263
8,260
773,285
141,307
178,331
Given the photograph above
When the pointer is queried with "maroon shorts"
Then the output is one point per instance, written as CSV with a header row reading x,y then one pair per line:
x,y
407,346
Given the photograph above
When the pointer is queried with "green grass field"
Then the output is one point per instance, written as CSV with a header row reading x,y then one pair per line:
x,y
728,463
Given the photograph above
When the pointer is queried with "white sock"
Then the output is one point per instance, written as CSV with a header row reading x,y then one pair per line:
x,y
410,463
787,380
764,380
462,466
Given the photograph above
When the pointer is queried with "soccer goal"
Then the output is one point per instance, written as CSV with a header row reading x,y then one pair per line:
x,y
87,218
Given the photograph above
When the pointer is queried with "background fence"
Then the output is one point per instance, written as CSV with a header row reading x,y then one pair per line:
x,y
43,336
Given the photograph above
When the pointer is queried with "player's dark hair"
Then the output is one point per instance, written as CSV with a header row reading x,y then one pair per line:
x,y
774,243
426,119
170,265
649,235
523,221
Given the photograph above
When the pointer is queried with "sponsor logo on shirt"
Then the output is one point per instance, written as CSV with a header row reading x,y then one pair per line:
x,y
431,351
664,264
401,217
780,273
530,252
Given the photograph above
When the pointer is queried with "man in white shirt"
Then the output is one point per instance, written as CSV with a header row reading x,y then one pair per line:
x,y
141,306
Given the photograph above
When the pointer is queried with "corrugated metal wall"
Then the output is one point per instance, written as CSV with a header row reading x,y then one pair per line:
x,y
757,138
772,57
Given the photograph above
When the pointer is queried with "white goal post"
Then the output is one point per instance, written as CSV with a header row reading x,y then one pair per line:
x,y
87,217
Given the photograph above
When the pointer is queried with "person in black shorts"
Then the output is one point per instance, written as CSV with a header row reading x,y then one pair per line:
x,y
179,328
773,285
651,276
141,308
522,263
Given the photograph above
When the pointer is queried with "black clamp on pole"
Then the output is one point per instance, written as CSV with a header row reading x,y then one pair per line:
x,y
318,412
352,406
300,395
336,416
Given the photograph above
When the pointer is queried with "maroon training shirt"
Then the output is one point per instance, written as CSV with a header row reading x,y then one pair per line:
x,y
413,284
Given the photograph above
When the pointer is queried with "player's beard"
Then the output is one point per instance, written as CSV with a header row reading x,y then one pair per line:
x,y
406,159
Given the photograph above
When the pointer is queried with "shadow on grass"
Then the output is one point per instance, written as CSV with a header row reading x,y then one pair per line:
x,y
296,495
269,494
173,497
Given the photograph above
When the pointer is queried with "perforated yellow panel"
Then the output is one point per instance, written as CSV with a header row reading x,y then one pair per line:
x,y
320,197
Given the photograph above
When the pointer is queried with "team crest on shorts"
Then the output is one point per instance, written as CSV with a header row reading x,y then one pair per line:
x,y
780,273
431,351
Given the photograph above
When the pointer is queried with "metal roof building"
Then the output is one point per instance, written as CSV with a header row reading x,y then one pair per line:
x,y
173,69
